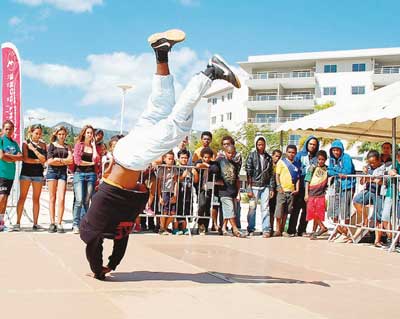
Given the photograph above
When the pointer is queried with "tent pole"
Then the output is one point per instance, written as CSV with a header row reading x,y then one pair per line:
x,y
394,148
281,140
394,183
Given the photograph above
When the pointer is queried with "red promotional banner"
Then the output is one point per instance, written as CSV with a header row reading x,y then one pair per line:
x,y
11,87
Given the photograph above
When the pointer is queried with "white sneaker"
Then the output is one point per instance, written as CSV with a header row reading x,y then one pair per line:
x,y
16,227
75,230
60,229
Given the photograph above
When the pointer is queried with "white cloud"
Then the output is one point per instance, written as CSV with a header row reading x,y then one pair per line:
x,y
98,81
56,75
77,6
51,118
14,21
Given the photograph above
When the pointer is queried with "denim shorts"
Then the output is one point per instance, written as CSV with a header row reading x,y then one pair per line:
x,y
368,198
168,207
228,208
56,173
38,179
387,209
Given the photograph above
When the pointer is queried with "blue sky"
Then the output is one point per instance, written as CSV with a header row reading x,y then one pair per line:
x,y
75,52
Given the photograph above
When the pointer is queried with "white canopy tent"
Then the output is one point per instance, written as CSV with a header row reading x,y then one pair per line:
x,y
373,117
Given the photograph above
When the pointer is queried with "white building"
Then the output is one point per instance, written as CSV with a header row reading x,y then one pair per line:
x,y
283,87
226,106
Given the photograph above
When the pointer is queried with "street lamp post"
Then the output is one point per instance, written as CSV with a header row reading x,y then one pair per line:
x,y
124,88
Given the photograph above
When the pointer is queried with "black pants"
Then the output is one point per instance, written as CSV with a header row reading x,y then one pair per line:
x,y
204,207
272,207
112,214
300,208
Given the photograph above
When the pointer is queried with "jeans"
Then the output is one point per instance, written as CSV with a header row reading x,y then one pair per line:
x,y
237,214
263,195
83,189
163,124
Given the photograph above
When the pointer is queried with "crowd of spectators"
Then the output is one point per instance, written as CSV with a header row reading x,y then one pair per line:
x,y
291,189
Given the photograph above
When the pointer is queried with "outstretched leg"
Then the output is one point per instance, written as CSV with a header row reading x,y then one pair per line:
x,y
144,144
162,98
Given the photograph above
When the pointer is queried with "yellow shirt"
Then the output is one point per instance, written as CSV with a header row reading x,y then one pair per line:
x,y
284,177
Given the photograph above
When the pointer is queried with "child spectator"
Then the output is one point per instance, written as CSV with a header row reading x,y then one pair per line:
x,y
370,195
227,141
276,156
316,181
229,191
167,190
206,176
287,185
340,165
388,202
187,177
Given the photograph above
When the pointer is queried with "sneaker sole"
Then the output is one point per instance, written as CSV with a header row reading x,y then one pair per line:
x,y
239,85
174,35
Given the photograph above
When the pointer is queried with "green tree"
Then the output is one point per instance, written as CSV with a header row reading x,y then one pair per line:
x,y
244,138
369,146
218,134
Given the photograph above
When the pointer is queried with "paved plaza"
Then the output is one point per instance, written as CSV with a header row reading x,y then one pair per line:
x,y
44,276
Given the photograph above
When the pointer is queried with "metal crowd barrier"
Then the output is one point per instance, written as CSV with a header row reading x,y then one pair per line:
x,y
187,195
358,204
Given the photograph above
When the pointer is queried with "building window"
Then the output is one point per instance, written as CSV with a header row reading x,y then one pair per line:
x,y
266,97
229,116
355,90
330,90
214,100
223,98
295,116
229,96
330,68
222,117
214,120
294,139
359,67
265,118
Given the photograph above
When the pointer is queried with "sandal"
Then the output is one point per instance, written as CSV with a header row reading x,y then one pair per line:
x,y
238,234
349,240
378,244
321,231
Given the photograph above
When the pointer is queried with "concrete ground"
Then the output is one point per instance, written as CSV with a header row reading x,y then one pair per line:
x,y
44,276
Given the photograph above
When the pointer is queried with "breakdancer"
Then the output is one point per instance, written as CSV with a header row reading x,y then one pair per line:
x,y
161,127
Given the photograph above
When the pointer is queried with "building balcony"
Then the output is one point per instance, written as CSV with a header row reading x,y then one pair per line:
x,y
285,102
288,80
386,75
271,122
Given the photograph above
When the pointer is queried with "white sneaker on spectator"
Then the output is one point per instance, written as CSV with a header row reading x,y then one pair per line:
x,y
16,227
75,230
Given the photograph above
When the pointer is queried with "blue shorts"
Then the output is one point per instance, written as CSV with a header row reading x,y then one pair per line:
x,y
55,173
387,209
228,207
38,179
368,198
168,207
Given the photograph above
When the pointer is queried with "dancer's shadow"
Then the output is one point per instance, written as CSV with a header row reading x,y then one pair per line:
x,y
205,278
